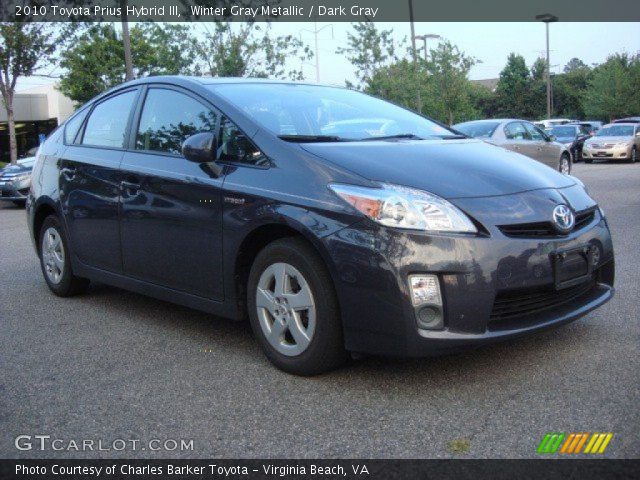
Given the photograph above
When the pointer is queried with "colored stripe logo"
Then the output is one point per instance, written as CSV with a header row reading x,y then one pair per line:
x,y
573,443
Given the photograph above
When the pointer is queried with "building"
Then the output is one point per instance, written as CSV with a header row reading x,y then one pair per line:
x,y
37,111
489,83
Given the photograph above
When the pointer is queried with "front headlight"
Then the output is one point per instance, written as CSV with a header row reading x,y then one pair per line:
x,y
403,207
622,145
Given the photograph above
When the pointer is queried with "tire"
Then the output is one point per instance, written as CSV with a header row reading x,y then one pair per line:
x,y
588,160
634,154
55,260
310,311
564,166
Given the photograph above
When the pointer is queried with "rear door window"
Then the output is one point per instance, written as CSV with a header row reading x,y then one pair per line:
x,y
107,124
515,131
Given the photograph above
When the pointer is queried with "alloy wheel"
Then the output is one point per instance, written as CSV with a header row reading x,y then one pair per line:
x,y
565,166
53,256
286,309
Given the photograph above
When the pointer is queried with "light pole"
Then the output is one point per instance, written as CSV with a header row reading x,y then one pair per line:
x,y
547,18
315,32
415,56
126,41
424,39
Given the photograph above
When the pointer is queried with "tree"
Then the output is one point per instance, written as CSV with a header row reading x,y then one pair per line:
x,y
24,47
518,94
448,71
574,65
249,50
95,62
613,88
569,89
369,50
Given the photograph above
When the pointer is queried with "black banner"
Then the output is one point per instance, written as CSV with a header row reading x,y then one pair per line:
x,y
322,11
328,469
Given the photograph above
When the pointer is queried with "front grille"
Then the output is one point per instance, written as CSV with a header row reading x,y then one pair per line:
x,y
518,303
604,145
546,229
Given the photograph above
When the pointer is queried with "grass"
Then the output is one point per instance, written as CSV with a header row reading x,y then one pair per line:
x,y
459,445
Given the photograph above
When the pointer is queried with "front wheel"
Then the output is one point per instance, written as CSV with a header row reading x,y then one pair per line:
x,y
565,164
55,260
293,309
634,154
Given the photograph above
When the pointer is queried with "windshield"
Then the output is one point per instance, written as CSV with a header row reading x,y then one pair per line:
x,y
27,162
564,131
477,129
616,131
308,111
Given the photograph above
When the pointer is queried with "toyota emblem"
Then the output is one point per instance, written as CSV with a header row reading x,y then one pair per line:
x,y
563,218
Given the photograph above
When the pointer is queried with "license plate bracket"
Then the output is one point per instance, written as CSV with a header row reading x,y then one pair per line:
x,y
572,266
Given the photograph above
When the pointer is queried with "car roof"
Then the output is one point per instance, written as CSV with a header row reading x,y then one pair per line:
x,y
495,120
623,124
218,80
627,120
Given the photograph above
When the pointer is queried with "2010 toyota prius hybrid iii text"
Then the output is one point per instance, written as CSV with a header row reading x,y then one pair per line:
x,y
335,221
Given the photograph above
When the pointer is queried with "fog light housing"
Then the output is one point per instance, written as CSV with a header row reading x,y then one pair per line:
x,y
430,318
426,299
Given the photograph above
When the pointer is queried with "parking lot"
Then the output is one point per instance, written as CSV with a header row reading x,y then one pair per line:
x,y
116,365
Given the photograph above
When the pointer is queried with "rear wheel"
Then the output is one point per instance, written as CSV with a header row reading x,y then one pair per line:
x,y
55,260
565,164
293,309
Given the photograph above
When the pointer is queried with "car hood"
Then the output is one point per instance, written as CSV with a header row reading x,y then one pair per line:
x,y
599,140
448,168
565,139
14,169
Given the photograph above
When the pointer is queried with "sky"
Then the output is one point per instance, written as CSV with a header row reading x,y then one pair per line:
x,y
489,43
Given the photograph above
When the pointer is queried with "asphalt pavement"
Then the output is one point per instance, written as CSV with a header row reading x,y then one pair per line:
x,y
112,365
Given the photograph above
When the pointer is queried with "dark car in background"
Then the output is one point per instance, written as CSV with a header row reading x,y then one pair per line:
x,y
572,137
522,137
15,181
398,237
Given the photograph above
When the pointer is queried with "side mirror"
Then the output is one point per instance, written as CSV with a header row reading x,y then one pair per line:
x,y
638,133
200,148
552,138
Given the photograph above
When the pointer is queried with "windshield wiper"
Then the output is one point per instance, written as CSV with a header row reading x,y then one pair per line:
x,y
312,138
453,137
410,136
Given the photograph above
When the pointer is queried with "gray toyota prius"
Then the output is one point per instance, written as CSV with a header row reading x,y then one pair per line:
x,y
335,222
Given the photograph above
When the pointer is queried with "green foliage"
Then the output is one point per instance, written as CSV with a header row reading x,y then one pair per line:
x,y
442,81
369,50
519,93
95,62
613,90
24,47
249,50
448,71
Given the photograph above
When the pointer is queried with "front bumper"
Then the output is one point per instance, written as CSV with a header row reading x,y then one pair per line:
x,y
372,265
611,153
14,191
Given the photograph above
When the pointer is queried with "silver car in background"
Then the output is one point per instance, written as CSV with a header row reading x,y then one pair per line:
x,y
616,141
522,137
